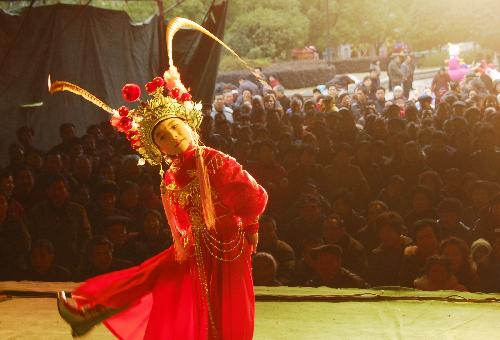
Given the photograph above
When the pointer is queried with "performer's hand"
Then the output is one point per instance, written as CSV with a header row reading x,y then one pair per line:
x,y
253,240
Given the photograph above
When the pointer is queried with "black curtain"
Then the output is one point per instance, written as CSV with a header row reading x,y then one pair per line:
x,y
97,49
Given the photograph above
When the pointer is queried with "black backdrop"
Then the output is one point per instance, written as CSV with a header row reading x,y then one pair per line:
x,y
97,49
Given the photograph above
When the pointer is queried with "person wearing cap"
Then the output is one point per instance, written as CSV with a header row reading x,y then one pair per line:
x,y
425,101
489,269
458,108
328,269
306,228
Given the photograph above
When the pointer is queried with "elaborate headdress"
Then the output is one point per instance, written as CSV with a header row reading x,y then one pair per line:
x,y
169,99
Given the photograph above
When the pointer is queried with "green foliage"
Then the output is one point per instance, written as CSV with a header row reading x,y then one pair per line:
x,y
268,32
229,63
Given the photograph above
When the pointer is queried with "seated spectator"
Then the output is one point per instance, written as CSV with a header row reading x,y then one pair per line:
x,y
16,210
281,251
438,276
439,156
306,170
62,222
128,202
100,260
489,221
306,227
43,266
328,270
422,207
394,195
264,270
479,194
450,224
25,191
457,251
147,196
353,252
415,259
454,185
386,260
368,234
489,269
342,205
14,241
105,201
124,246
154,236
342,175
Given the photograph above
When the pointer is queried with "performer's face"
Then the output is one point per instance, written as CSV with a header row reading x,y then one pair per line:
x,y
172,136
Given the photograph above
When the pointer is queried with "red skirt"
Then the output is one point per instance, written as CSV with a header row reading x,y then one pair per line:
x,y
165,300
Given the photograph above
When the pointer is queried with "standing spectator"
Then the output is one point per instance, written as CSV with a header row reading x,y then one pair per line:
x,y
407,68
220,108
380,100
440,84
247,85
282,97
394,72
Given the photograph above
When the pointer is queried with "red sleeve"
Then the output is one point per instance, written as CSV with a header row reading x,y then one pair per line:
x,y
236,189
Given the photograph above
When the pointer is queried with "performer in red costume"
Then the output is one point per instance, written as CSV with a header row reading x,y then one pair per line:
x,y
201,287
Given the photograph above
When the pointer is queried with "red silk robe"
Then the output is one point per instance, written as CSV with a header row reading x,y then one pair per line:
x,y
210,294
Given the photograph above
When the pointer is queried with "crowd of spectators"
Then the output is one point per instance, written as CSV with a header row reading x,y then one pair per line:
x,y
364,191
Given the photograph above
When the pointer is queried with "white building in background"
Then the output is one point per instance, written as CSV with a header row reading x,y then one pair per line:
x,y
344,51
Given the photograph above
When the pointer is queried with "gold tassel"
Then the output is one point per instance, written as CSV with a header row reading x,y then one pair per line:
x,y
205,190
180,253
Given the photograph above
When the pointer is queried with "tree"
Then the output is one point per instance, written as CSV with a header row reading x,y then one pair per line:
x,y
268,32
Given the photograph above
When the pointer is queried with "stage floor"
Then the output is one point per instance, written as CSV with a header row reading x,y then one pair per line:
x,y
27,311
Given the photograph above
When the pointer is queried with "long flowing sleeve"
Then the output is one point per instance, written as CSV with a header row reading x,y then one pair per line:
x,y
236,189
